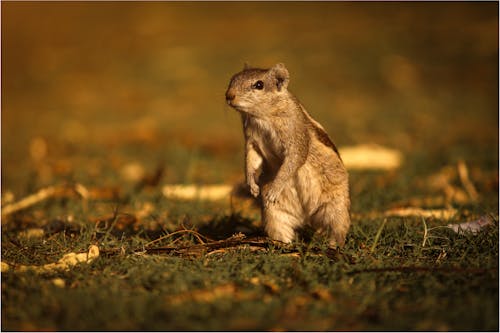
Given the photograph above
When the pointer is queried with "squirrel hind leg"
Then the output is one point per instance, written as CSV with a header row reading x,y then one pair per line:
x,y
281,224
333,217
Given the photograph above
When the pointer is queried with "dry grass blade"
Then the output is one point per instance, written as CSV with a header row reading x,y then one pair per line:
x,y
425,232
30,200
62,191
377,236
463,173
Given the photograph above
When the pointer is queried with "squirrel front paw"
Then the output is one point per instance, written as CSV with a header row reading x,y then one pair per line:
x,y
271,195
255,190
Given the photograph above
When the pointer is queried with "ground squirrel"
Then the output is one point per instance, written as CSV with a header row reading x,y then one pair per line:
x,y
290,160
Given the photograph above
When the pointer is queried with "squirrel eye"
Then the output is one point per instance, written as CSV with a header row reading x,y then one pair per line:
x,y
258,85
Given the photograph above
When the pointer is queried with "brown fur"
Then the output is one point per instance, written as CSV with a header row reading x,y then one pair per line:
x,y
290,160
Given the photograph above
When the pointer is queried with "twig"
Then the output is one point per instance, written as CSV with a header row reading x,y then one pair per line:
x,y
44,194
236,241
190,249
30,200
425,232
463,173
195,233
84,193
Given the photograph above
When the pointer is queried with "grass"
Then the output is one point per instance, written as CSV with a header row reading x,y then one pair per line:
x,y
387,277
400,285
135,100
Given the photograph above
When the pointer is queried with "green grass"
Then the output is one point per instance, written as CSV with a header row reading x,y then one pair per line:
x,y
451,283
385,278
106,86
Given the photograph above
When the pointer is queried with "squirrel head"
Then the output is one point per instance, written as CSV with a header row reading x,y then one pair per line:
x,y
254,90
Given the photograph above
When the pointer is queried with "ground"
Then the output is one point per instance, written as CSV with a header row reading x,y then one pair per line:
x,y
104,104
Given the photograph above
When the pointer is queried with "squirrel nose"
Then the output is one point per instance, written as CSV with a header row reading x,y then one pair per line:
x,y
229,96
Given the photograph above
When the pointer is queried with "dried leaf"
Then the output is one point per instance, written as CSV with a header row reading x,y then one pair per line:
x,y
66,262
38,149
132,172
473,226
146,209
205,295
32,233
103,193
268,283
446,180
195,192
463,173
322,293
445,213
58,282
370,157
7,198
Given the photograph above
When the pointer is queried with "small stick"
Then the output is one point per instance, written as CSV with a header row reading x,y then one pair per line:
x,y
196,234
425,232
30,200
463,173
46,193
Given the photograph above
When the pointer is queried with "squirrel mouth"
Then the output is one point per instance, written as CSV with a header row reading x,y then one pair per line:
x,y
238,108
234,102
234,105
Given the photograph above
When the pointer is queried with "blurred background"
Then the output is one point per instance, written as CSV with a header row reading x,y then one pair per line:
x,y
92,90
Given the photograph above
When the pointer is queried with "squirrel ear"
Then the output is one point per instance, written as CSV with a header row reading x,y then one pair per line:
x,y
281,76
246,66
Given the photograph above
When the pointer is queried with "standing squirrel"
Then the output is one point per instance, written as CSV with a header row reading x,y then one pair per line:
x,y
290,160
